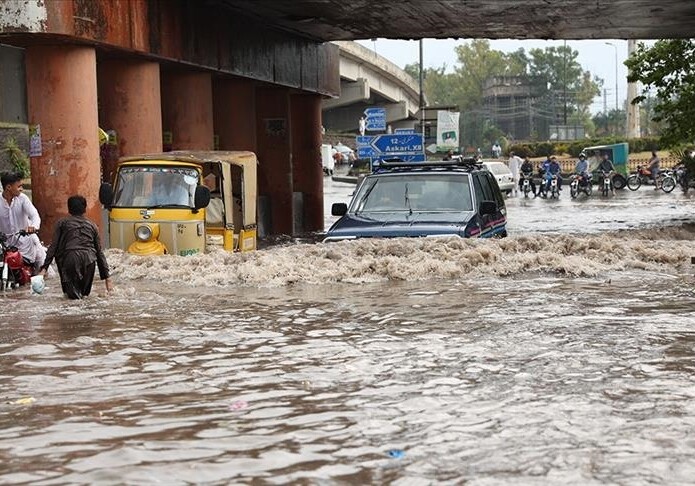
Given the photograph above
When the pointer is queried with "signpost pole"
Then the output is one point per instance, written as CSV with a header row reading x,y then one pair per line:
x,y
422,95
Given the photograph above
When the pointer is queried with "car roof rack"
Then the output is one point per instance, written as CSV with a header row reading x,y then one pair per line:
x,y
468,163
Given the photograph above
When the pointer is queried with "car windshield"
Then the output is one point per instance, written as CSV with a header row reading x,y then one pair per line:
x,y
413,192
155,186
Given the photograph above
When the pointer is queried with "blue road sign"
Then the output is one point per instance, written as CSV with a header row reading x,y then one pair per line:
x,y
376,119
404,157
376,112
399,143
364,140
375,125
367,152
405,146
404,130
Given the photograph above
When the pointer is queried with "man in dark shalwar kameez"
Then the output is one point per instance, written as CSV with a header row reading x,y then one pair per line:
x,y
76,247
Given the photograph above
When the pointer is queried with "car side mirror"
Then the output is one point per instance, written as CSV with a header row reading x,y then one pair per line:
x,y
488,207
106,195
339,209
202,198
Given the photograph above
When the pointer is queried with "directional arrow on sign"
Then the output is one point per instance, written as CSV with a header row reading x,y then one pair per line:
x,y
376,112
398,143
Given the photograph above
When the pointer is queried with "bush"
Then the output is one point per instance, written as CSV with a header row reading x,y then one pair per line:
x,y
17,156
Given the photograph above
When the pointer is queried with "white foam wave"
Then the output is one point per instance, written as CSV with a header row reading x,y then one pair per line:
x,y
658,250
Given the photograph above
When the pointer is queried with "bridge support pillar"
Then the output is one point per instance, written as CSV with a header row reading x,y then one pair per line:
x,y
187,110
275,167
235,114
307,170
62,101
130,103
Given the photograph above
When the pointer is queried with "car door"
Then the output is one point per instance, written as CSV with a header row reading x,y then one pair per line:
x,y
490,223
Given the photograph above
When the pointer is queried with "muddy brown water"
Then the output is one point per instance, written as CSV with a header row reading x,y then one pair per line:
x,y
563,354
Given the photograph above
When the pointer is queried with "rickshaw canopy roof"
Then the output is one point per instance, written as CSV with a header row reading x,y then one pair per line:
x,y
241,158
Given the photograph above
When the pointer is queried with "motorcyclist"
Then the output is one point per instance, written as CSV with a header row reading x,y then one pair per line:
x,y
582,170
552,169
606,166
526,171
654,168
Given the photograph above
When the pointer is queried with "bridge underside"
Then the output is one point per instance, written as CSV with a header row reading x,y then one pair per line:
x,y
494,19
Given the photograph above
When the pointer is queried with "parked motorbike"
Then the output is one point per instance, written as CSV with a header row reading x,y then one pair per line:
x,y
15,270
665,181
580,183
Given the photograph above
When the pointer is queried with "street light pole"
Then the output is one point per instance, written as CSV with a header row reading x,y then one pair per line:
x,y
616,73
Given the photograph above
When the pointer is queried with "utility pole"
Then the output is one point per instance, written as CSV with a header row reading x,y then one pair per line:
x,y
564,82
616,73
605,107
422,97
633,117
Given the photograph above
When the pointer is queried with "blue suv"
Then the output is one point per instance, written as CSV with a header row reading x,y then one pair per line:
x,y
400,199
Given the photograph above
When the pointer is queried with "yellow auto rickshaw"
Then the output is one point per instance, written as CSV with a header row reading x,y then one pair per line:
x,y
183,202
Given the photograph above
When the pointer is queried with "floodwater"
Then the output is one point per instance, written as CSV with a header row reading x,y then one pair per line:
x,y
564,354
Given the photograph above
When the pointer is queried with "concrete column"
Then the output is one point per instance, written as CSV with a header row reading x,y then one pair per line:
x,y
275,167
234,113
62,100
307,170
130,104
187,109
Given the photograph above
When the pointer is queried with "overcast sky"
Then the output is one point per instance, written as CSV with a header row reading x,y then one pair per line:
x,y
594,55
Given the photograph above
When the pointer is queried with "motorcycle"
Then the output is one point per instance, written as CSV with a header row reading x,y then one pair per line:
x,y
553,187
525,183
15,270
682,178
580,183
606,183
666,181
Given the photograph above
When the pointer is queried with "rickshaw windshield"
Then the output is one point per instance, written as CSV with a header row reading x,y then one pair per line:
x,y
154,186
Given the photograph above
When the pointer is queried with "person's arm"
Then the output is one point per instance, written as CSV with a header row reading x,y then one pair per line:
x,y
32,215
102,264
51,253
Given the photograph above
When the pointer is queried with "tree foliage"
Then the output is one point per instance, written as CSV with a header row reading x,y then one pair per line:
x,y
555,70
667,68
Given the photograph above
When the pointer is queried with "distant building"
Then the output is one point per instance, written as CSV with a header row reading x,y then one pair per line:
x,y
516,105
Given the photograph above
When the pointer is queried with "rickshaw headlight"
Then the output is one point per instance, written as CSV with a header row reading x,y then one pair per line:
x,y
146,232
143,233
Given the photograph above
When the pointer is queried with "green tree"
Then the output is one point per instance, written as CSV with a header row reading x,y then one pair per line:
x,y
568,86
667,67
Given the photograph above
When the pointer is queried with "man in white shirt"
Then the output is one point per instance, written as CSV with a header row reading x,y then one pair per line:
x,y
514,163
17,213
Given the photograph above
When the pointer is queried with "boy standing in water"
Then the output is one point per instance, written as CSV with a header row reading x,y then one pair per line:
x,y
77,249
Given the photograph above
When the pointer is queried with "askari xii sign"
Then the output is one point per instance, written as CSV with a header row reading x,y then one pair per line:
x,y
398,143
405,146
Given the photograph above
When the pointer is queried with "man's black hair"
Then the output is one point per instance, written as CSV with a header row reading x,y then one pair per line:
x,y
10,178
77,205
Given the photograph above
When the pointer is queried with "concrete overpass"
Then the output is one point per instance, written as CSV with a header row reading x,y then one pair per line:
x,y
367,79
330,20
231,70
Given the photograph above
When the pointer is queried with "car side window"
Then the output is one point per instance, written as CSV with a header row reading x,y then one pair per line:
x,y
497,194
479,194
488,193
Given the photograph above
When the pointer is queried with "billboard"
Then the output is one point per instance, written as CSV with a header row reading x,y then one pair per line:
x,y
447,130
